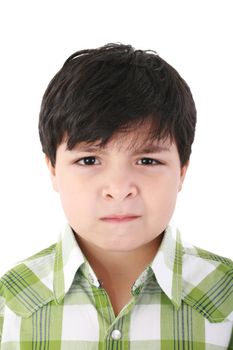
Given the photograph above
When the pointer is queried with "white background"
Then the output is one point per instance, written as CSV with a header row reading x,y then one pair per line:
x,y
36,38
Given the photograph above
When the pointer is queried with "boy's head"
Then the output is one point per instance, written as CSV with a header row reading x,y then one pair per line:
x,y
117,101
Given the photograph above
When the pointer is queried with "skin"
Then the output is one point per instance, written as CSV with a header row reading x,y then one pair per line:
x,y
119,182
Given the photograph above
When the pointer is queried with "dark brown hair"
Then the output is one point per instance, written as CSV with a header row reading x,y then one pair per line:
x,y
113,88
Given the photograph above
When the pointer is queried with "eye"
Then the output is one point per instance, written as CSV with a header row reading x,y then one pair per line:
x,y
86,161
91,160
150,161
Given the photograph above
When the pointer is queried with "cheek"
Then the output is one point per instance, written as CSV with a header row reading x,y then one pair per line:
x,y
162,193
73,196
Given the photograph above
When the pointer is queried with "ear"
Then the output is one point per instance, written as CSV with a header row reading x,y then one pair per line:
x,y
52,172
183,171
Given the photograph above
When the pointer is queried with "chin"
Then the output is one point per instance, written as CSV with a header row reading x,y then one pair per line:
x,y
121,247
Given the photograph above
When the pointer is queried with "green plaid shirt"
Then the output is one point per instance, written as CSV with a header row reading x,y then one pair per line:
x,y
182,301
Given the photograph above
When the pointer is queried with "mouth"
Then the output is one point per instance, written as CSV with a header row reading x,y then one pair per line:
x,y
120,218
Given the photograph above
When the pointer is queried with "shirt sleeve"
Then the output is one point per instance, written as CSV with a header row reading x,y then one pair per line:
x,y
2,307
230,347
1,325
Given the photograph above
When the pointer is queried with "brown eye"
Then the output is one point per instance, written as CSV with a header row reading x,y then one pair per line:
x,y
150,161
86,161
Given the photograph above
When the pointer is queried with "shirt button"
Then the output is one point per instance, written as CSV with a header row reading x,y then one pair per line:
x,y
116,334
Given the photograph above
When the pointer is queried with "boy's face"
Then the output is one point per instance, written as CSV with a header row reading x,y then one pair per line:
x,y
118,182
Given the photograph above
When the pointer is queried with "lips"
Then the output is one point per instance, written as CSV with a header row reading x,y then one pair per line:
x,y
120,217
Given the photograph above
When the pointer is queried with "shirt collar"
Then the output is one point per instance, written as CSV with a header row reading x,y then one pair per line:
x,y
68,259
167,264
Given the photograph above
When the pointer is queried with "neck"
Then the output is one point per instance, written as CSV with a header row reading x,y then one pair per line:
x,y
109,264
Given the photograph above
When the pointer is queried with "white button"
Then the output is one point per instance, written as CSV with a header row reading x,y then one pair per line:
x,y
116,335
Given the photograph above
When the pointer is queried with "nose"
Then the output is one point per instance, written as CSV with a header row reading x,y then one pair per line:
x,y
119,186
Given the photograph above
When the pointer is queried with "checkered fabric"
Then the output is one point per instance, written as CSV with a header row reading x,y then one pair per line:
x,y
182,301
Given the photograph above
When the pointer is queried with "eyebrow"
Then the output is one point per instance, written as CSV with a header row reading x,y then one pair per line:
x,y
145,149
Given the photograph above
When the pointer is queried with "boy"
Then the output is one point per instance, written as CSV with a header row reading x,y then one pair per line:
x,y
117,126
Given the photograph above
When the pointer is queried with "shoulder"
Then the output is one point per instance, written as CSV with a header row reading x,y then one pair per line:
x,y
208,283
197,252
29,284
